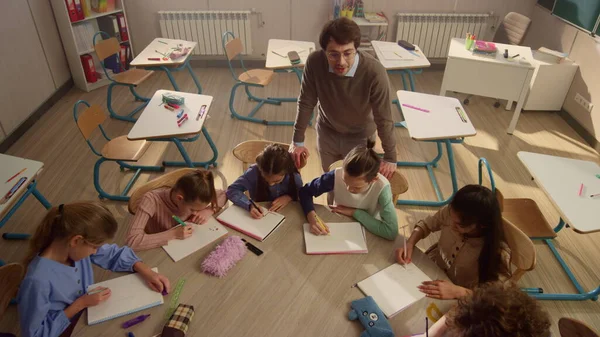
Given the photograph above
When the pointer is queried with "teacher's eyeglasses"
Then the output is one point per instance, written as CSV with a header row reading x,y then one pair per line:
x,y
334,56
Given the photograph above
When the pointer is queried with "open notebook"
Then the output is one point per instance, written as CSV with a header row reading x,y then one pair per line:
x,y
259,229
129,294
343,238
394,288
203,235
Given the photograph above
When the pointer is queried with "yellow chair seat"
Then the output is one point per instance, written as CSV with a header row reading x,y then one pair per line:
x,y
121,148
133,76
257,76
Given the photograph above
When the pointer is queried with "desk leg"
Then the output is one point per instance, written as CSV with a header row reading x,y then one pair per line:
x,y
170,76
187,160
31,189
509,105
429,166
515,118
193,75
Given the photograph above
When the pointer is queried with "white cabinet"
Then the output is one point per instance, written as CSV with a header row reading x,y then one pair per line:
x,y
550,84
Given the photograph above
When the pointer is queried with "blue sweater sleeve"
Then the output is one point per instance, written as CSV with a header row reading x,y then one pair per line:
x,y
35,314
315,188
115,258
246,182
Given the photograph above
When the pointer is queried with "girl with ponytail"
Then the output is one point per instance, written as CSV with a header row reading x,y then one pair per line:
x,y
193,198
360,191
69,240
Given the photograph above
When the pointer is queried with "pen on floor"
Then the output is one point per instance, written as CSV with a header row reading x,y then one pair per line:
x,y
178,220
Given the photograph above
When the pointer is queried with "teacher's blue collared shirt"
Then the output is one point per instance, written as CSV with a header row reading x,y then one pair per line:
x,y
50,287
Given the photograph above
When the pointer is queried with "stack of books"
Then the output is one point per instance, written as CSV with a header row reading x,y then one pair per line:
x,y
484,48
375,17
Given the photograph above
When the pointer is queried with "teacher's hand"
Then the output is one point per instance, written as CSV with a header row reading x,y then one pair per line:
x,y
387,169
299,154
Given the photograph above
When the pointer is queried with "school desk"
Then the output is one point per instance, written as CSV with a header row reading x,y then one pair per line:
x,y
278,60
156,123
560,179
495,77
401,66
282,293
436,119
10,166
152,58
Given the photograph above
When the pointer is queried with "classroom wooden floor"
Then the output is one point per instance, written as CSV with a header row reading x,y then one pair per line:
x,y
67,176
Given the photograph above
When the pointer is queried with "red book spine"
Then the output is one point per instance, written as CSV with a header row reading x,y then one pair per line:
x,y
122,27
88,68
72,10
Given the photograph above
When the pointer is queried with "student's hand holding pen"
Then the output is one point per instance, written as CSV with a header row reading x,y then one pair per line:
x,y
95,297
317,227
255,211
183,232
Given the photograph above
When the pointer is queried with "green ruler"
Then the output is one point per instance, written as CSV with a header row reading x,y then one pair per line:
x,y
175,298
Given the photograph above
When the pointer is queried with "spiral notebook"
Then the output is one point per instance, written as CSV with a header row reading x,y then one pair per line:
x,y
343,238
394,288
129,294
203,235
239,219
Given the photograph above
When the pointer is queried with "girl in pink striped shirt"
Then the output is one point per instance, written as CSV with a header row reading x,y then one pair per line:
x,y
193,198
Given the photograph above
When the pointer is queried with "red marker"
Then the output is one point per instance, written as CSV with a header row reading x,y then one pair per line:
x,y
173,105
154,59
182,120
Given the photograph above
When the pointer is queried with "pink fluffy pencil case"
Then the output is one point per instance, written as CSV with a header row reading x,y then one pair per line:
x,y
224,257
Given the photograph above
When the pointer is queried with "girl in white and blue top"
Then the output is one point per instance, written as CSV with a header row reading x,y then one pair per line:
x,y
359,191
59,268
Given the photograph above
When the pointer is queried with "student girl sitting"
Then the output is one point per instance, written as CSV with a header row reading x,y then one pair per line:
x,y
471,248
69,240
359,192
273,178
193,198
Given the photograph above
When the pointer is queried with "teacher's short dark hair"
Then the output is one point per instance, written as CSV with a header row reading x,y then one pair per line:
x,y
342,31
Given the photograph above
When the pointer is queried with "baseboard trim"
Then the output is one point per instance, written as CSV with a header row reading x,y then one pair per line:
x,y
35,116
583,132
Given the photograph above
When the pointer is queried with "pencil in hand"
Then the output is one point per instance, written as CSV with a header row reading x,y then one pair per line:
x,y
321,224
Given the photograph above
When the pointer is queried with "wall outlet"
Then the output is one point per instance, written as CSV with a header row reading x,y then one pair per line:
x,y
584,103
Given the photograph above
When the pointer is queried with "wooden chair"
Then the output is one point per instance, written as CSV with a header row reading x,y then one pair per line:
x,y
247,151
526,215
522,250
398,182
118,149
569,327
109,48
512,29
165,180
249,78
10,278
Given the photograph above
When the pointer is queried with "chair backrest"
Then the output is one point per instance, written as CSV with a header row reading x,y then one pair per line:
x,y
398,182
166,180
569,327
10,278
233,48
522,250
107,48
247,151
513,28
89,119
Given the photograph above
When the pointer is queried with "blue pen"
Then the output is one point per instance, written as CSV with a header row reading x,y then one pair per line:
x,y
130,334
180,114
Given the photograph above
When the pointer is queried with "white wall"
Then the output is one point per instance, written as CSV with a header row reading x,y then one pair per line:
x,y
301,19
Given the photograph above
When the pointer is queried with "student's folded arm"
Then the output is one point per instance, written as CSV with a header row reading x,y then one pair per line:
x,y
434,223
138,239
115,258
36,317
315,188
387,227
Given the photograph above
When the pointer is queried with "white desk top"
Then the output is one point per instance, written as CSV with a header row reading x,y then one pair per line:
x,y
364,22
166,48
275,61
10,166
560,178
441,122
158,122
458,50
386,53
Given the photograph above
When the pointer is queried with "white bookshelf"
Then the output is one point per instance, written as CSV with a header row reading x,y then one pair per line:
x,y
69,41
366,28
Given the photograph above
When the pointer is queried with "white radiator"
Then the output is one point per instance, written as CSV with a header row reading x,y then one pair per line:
x,y
207,28
433,31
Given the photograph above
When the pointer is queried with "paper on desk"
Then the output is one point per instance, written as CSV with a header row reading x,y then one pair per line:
x,y
392,55
283,51
393,51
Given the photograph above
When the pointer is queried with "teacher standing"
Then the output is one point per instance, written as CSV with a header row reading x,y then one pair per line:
x,y
352,92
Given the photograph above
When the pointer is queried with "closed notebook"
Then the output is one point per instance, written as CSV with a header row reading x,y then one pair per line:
x,y
129,294
259,229
394,288
343,238
203,235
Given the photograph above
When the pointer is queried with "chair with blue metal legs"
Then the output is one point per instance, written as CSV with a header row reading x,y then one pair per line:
x,y
256,78
119,149
108,50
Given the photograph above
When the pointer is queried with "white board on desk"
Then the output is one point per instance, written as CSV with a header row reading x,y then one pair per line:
x,y
202,236
129,294
395,287
343,238
239,219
